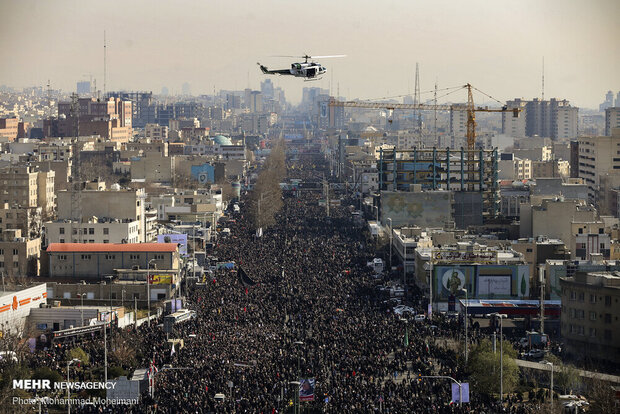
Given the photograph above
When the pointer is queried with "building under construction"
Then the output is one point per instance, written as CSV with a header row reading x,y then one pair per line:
x,y
472,175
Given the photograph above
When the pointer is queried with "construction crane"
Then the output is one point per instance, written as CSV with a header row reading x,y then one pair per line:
x,y
471,117
470,108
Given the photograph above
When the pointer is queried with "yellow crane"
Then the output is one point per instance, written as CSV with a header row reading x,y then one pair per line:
x,y
470,108
471,117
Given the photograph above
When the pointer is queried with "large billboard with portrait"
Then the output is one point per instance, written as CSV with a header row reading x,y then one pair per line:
x,y
482,281
424,209
180,239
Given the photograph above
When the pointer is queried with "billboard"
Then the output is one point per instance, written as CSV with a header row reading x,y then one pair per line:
x,y
424,209
306,389
460,390
180,239
160,279
510,281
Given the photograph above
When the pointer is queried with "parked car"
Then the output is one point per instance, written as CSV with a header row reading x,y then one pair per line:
x,y
535,354
524,342
402,310
420,318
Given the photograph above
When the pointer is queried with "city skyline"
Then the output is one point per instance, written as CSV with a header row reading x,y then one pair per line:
x,y
214,46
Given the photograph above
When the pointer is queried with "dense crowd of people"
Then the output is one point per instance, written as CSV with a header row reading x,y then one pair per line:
x,y
307,310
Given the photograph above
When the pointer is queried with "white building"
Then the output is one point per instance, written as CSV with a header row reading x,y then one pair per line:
x,y
511,125
612,119
107,231
15,307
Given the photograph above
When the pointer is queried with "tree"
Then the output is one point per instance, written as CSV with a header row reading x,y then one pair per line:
x,y
484,366
78,353
602,397
566,377
47,373
266,198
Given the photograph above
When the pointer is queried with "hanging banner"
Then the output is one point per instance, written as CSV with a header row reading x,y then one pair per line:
x,y
306,389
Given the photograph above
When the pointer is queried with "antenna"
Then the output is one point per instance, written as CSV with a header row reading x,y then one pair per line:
x,y
435,123
104,64
76,193
49,100
543,79
416,98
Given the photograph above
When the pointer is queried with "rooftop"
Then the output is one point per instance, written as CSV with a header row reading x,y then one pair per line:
x,y
112,247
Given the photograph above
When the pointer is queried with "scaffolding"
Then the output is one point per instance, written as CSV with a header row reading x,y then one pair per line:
x,y
473,171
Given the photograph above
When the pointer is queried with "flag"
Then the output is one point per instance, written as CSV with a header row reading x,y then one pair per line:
x,y
406,340
172,351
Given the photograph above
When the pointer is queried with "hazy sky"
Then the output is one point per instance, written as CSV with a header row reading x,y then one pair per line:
x,y
495,45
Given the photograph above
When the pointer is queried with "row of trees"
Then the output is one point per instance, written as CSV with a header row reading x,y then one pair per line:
x,y
266,199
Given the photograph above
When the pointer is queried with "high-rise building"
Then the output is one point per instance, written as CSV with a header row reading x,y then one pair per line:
x,y
612,119
555,119
266,88
598,156
83,88
511,125
186,89
617,99
458,121
609,101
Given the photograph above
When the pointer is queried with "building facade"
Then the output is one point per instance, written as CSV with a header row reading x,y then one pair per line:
x,y
590,312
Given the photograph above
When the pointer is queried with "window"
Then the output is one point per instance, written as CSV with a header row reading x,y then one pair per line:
x,y
528,250
62,257
134,257
607,300
61,230
580,231
592,298
86,257
593,332
62,240
602,246
106,230
607,335
2,265
15,252
159,257
600,230
110,256
607,318
1,251
136,296
106,241
15,265
91,230
573,295
592,316
581,296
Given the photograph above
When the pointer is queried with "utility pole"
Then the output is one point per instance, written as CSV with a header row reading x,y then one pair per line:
x,y
541,275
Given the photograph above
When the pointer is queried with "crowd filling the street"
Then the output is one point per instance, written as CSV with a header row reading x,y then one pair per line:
x,y
300,304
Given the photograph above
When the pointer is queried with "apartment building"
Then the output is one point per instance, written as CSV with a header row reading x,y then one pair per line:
x,y
612,119
156,132
81,261
598,156
19,256
590,312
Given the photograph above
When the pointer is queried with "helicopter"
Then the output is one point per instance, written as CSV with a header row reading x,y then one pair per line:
x,y
306,70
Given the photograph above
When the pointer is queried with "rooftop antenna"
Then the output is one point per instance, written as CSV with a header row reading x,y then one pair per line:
x,y
104,64
543,78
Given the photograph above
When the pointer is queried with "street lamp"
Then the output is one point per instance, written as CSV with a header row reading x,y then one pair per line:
x,y
466,323
390,220
299,343
81,296
69,388
295,385
501,317
148,291
551,390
